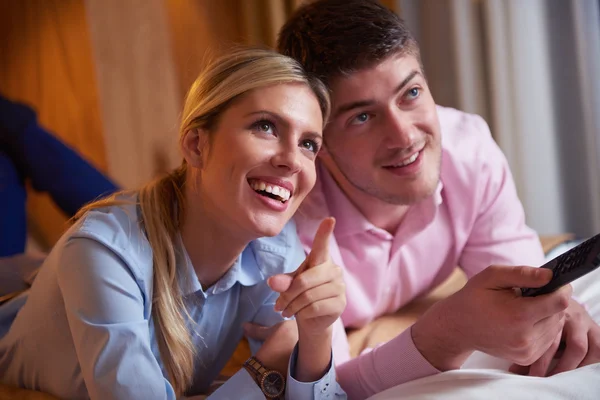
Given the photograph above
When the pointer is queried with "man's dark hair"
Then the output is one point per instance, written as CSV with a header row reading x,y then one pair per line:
x,y
338,37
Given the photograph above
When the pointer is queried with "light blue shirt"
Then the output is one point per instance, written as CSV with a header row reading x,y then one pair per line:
x,y
86,330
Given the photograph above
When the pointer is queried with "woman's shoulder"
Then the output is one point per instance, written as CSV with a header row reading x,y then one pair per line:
x,y
118,228
114,226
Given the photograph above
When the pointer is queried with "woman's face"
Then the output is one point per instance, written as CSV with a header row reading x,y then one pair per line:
x,y
259,163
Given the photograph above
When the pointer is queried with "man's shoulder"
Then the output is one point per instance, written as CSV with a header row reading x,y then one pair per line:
x,y
472,161
468,147
463,134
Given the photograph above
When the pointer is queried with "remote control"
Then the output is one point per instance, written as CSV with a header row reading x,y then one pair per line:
x,y
569,266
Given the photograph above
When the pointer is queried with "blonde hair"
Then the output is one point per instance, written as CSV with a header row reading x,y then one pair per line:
x,y
162,201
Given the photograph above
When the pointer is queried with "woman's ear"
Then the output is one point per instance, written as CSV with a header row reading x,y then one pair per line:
x,y
194,147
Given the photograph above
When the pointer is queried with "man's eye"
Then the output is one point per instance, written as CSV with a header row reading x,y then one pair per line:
x,y
360,119
413,93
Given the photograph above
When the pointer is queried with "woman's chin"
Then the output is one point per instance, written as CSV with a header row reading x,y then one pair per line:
x,y
268,226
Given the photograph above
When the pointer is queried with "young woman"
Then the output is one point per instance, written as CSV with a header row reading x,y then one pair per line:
x,y
145,296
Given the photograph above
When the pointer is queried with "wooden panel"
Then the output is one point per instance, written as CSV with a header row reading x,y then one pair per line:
x,y
47,63
137,86
200,30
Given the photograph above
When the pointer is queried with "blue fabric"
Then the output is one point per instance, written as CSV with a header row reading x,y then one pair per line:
x,y
55,168
28,151
13,221
86,328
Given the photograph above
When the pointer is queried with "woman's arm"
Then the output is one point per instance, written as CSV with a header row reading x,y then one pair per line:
x,y
315,295
105,311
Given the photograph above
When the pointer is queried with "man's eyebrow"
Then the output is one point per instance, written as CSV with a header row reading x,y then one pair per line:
x,y
344,108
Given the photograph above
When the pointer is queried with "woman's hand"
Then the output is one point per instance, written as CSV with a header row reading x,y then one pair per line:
x,y
316,295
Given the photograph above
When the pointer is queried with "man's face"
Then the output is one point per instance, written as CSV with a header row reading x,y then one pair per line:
x,y
383,138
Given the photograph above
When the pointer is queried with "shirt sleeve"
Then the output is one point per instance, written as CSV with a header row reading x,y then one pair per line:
x,y
387,365
325,388
105,310
499,235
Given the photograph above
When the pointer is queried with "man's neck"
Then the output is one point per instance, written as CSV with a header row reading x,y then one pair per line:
x,y
381,214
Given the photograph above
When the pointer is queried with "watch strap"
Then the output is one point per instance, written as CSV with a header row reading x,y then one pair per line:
x,y
258,371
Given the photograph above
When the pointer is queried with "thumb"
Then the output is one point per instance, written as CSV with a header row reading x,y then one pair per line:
x,y
255,331
517,277
281,282
320,248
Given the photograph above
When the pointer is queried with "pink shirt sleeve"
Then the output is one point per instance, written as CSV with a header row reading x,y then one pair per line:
x,y
388,365
499,235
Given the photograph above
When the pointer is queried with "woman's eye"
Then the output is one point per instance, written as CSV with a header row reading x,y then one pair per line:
x,y
310,145
360,119
264,126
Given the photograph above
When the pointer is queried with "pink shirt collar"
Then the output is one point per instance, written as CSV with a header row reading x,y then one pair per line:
x,y
350,221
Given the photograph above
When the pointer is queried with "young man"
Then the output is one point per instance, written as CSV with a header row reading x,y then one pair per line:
x,y
417,189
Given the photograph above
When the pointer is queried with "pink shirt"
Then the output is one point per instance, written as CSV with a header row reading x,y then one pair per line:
x,y
474,220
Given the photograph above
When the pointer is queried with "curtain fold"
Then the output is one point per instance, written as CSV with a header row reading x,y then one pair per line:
x,y
529,68
47,63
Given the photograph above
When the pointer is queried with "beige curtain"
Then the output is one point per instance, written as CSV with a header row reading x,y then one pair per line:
x,y
47,63
529,68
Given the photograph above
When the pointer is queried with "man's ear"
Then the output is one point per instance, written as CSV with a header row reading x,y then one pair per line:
x,y
323,151
194,147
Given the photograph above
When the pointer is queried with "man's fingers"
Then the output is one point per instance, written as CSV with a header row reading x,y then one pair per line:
x,y
540,367
519,369
576,347
593,354
320,248
503,277
257,332
549,304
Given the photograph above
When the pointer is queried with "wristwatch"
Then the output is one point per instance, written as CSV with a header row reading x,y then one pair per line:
x,y
272,383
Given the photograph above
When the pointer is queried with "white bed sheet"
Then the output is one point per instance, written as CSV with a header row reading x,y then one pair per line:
x,y
486,377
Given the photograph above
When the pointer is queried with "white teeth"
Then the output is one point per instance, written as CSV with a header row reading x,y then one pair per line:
x,y
279,191
408,161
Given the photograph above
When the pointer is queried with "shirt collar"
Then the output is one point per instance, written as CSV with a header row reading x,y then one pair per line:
x,y
261,259
350,221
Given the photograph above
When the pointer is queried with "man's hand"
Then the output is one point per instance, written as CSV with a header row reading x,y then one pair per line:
x,y
576,346
316,292
279,341
490,316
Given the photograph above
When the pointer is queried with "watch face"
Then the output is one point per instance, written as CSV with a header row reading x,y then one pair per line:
x,y
273,384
